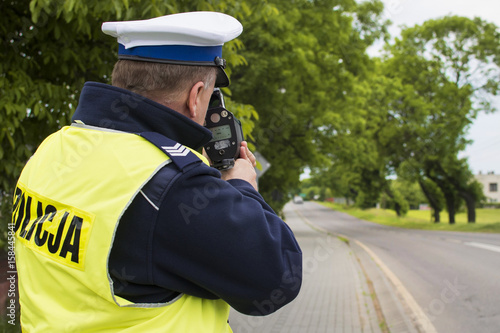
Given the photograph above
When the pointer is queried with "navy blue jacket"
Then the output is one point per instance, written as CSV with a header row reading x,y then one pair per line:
x,y
192,232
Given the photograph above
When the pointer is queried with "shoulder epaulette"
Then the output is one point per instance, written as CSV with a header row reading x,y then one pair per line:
x,y
181,155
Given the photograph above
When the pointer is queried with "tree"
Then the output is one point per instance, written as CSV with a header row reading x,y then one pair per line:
x,y
393,198
408,171
448,69
434,197
455,173
435,173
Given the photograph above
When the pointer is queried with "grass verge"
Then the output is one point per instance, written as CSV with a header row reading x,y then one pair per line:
x,y
488,220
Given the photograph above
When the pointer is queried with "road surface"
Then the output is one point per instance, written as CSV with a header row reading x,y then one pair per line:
x,y
454,277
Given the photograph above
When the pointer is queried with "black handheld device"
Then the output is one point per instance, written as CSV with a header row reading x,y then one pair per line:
x,y
224,147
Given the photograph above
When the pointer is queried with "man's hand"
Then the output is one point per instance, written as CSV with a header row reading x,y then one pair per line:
x,y
243,167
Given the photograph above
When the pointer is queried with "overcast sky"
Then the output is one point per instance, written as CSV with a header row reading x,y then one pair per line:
x,y
484,152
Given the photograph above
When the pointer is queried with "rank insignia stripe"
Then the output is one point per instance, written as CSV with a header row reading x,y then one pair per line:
x,y
176,150
55,230
180,155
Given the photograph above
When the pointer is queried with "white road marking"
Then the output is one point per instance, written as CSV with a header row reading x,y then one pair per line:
x,y
484,246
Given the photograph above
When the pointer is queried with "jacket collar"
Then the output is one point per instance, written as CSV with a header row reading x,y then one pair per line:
x,y
111,107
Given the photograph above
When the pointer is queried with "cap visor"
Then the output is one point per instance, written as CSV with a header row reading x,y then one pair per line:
x,y
222,79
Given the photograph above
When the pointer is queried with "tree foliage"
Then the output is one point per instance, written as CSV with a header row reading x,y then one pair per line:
x,y
49,49
447,69
303,60
416,104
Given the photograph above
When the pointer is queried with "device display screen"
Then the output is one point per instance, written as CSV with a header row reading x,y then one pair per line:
x,y
221,132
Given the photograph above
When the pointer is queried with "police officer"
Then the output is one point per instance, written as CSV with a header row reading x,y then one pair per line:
x,y
121,225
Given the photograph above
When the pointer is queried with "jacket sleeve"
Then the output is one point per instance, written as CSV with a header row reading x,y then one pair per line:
x,y
220,239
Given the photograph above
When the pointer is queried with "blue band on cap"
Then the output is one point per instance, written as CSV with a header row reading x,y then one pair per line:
x,y
174,52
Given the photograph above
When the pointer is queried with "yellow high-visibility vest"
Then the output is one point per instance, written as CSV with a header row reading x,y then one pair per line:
x,y
67,206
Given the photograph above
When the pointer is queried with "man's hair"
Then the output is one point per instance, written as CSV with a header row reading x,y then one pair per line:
x,y
151,79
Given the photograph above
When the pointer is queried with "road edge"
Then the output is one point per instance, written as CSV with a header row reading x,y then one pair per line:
x,y
417,316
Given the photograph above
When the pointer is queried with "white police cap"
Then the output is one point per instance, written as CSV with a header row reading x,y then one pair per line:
x,y
193,38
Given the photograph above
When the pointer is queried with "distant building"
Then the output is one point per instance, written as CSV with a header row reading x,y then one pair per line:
x,y
490,183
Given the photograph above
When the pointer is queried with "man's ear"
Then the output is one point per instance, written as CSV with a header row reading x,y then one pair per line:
x,y
194,99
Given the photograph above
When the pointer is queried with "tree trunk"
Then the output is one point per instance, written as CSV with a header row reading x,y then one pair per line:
x,y
432,201
397,206
450,206
448,192
471,206
437,216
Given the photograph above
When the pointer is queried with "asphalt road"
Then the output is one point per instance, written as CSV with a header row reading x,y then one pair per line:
x,y
454,277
